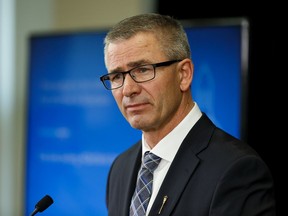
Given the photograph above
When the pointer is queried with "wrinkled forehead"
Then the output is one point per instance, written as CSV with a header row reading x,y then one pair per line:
x,y
140,47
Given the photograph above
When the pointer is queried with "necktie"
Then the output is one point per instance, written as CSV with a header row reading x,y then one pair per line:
x,y
143,189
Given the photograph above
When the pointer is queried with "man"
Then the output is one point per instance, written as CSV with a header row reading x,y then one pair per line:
x,y
202,169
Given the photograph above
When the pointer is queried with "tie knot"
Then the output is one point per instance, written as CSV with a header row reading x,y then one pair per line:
x,y
151,161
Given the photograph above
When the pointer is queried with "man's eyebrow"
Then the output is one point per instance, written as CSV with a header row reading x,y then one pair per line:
x,y
138,63
130,65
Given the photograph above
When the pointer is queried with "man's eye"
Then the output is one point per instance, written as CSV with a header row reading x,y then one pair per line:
x,y
143,69
115,77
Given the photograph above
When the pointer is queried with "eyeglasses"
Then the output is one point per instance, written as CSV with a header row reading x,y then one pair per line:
x,y
140,74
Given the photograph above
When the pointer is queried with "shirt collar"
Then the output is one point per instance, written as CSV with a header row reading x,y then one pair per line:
x,y
169,145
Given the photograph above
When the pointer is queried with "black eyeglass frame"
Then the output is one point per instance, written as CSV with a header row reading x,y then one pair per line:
x,y
160,64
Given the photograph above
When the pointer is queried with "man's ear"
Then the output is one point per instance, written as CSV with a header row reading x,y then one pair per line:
x,y
186,69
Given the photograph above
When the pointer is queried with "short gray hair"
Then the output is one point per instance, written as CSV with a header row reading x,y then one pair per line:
x,y
169,32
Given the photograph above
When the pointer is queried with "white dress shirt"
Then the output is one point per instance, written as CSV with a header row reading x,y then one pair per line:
x,y
168,147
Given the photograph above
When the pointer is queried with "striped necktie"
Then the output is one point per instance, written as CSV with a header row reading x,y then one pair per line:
x,y
143,189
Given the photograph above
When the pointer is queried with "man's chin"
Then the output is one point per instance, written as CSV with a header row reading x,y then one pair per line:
x,y
137,122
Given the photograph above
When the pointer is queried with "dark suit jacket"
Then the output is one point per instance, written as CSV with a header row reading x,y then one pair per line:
x,y
212,174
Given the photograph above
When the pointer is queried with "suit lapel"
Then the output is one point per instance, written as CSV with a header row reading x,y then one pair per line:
x,y
183,166
130,176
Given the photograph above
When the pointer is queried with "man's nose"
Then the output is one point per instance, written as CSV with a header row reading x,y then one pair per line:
x,y
130,87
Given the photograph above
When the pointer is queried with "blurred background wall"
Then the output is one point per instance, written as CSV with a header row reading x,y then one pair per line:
x,y
19,19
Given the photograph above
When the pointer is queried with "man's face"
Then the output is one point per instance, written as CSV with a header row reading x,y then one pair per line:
x,y
151,105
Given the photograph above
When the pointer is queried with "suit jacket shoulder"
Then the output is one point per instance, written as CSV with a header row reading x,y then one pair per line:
x,y
213,173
